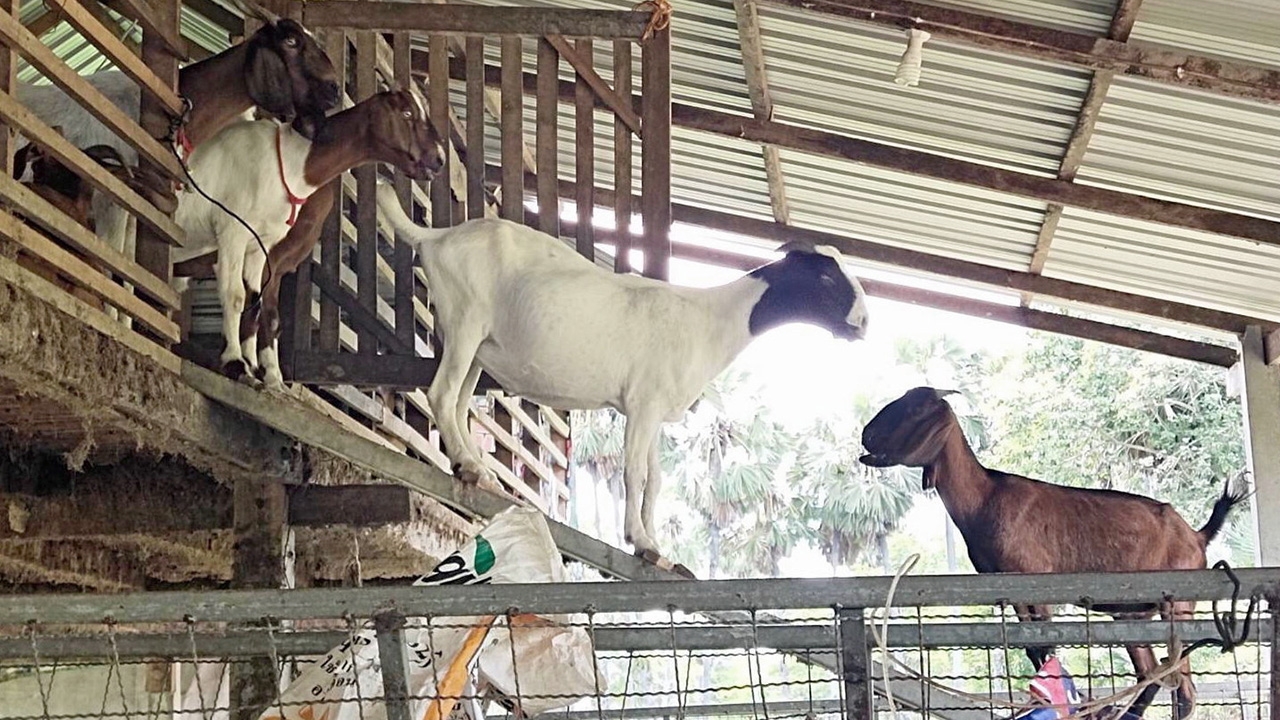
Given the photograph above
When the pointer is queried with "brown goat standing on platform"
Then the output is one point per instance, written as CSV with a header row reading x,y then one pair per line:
x,y
1015,524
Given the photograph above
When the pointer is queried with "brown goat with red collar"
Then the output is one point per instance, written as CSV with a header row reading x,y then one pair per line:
x,y
1016,524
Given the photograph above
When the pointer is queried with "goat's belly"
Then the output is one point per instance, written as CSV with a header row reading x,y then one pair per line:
x,y
560,385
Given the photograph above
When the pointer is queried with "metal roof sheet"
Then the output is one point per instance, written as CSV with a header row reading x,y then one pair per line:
x,y
1237,29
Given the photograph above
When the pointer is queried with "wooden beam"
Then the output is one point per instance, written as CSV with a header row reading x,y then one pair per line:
x,y
918,261
1011,314
622,167
753,65
260,517
397,372
216,14
655,153
620,105
924,164
915,162
316,505
1121,25
78,14
1271,345
153,23
505,21
1152,62
43,23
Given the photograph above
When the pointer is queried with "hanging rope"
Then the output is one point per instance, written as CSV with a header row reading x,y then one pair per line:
x,y
659,19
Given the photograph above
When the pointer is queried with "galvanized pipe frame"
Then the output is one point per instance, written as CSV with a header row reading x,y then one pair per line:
x,y
242,606
808,640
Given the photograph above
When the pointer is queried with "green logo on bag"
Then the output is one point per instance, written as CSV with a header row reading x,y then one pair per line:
x,y
484,556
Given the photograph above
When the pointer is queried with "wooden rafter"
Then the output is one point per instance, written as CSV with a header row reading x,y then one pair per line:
x,y
1121,25
1152,62
924,164
753,66
931,264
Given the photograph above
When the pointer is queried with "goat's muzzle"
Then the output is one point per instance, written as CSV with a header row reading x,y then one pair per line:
x,y
873,460
850,332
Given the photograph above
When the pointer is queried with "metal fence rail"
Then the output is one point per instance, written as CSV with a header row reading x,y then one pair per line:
x,y
755,648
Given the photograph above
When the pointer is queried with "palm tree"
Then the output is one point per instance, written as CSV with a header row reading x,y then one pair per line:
x,y
597,450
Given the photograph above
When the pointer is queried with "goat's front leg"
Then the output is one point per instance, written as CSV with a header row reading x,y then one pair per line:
x,y
463,413
231,292
1037,654
445,397
640,440
1186,693
254,262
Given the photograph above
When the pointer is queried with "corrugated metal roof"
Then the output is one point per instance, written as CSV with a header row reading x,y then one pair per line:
x,y
1187,146
1238,29
971,104
1083,16
1170,263
911,211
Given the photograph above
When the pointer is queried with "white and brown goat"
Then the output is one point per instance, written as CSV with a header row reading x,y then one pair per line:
x,y
388,127
1016,524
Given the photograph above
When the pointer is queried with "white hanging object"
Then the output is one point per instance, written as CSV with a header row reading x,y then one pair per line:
x,y
908,74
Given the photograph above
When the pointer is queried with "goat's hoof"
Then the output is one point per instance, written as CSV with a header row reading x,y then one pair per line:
x,y
1186,706
234,369
683,571
474,474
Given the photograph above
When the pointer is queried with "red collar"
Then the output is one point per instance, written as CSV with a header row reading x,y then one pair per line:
x,y
295,202
184,143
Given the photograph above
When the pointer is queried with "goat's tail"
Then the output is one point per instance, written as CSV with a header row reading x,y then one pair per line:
x,y
405,228
1231,496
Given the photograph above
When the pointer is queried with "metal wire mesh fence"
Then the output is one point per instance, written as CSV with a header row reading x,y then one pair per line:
x,y
950,648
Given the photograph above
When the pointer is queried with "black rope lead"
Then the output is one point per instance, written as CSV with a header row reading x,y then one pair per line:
x,y
175,124
1226,622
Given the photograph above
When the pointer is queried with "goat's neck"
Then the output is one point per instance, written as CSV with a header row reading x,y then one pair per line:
x,y
728,307
961,481
344,142
217,92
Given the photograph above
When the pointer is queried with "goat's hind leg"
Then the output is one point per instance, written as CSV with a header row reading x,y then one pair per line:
x,y
463,415
231,291
640,439
445,397
1186,692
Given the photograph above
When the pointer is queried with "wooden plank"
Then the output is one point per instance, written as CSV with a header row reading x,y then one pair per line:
x,y
753,67
335,44
52,67
655,153
1144,60
622,169
1044,239
1271,346
531,427
43,23
23,120
548,138
475,126
512,130
366,208
365,320
584,68
913,162
438,88
397,372
53,220
148,15
13,274
8,81
559,425
508,441
88,25
359,505
86,276
585,155
504,21
405,324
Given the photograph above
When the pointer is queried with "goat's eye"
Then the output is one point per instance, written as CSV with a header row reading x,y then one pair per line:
x,y
827,280
408,114
291,42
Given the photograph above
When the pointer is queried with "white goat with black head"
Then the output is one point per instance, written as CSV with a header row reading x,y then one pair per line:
x,y
553,327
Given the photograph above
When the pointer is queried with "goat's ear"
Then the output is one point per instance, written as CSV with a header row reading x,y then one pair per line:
x,y
267,80
799,246
943,393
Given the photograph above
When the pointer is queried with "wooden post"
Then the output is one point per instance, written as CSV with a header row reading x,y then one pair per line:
x,y
512,131
548,138
394,663
853,657
585,168
622,159
335,40
8,75
406,325
366,204
655,153
1273,606
475,127
152,251
1261,399
259,515
438,72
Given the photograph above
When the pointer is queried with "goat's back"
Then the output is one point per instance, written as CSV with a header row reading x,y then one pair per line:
x,y
49,103
1037,527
